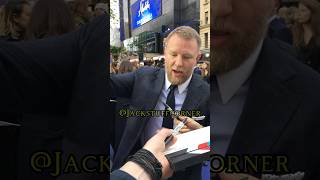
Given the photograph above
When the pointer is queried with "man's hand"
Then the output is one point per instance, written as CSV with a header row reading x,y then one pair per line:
x,y
236,176
157,146
190,124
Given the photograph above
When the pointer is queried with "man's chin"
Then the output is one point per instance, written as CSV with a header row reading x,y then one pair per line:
x,y
176,81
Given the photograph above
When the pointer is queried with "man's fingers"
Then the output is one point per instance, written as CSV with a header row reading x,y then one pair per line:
x,y
185,130
174,140
192,124
164,133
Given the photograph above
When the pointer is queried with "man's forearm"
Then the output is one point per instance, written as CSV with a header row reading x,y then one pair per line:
x,y
135,171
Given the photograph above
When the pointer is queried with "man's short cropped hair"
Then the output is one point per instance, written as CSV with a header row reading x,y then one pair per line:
x,y
184,32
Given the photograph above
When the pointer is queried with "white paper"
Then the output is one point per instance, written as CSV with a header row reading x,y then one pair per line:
x,y
190,140
199,151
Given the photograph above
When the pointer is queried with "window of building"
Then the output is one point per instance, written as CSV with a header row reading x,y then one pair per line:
x,y
206,17
206,39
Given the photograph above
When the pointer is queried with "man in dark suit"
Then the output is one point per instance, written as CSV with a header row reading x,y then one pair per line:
x,y
264,101
148,88
59,85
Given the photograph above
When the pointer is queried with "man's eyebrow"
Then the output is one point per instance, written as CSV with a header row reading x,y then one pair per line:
x,y
188,55
185,55
172,51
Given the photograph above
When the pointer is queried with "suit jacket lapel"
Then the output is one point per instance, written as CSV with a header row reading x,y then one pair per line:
x,y
192,100
269,106
135,125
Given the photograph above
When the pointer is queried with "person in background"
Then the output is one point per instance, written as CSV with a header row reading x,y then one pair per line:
x,y
100,9
160,63
283,13
125,66
50,18
307,33
278,28
14,19
197,70
114,67
292,16
135,63
80,12
205,71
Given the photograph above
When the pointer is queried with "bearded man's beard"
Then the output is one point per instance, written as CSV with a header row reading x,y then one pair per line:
x,y
225,59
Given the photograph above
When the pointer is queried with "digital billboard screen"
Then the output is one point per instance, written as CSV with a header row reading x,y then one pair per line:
x,y
144,11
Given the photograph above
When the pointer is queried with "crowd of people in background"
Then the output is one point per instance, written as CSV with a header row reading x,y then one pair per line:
x,y
303,24
28,20
129,63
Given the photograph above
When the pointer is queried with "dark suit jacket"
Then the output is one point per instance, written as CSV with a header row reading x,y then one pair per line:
x,y
143,87
59,85
281,113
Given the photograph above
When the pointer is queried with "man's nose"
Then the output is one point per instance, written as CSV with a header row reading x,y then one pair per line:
x,y
178,61
221,8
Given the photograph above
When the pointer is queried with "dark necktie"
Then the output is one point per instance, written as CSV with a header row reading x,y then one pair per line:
x,y
167,120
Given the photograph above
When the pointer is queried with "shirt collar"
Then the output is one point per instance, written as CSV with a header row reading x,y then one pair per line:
x,y
181,88
230,82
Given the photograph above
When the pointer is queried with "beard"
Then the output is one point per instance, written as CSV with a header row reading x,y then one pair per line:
x,y
177,80
240,46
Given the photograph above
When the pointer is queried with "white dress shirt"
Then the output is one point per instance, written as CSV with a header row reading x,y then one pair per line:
x,y
155,123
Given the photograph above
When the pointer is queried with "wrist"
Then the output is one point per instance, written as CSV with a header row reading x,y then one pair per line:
x,y
150,164
136,171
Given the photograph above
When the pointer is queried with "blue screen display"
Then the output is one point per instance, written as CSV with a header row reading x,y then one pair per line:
x,y
144,11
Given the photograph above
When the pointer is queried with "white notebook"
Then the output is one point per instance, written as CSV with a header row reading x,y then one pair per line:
x,y
189,142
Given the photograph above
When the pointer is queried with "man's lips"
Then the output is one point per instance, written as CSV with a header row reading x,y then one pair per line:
x,y
219,38
177,72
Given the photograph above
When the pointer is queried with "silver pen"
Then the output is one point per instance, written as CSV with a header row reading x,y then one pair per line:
x,y
177,128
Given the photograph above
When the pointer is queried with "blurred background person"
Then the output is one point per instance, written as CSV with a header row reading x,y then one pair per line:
x,y
135,63
50,18
288,15
292,16
278,28
100,9
125,67
114,67
197,69
14,19
307,33
205,71
160,63
81,13
283,13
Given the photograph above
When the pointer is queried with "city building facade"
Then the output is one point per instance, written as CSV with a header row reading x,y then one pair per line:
x,y
205,27
160,18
